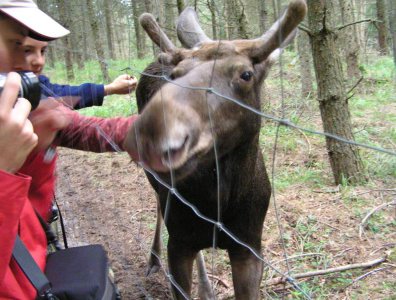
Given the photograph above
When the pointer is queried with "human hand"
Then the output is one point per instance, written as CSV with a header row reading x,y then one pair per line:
x,y
17,138
123,84
48,118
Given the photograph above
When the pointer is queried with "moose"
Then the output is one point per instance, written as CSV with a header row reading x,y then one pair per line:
x,y
205,146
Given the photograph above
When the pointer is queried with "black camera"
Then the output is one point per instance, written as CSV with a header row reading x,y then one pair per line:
x,y
30,87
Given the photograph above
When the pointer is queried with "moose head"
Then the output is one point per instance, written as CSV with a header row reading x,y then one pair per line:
x,y
188,113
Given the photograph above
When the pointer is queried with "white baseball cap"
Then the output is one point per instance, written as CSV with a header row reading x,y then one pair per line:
x,y
26,12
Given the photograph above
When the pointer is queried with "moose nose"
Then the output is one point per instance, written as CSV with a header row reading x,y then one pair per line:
x,y
175,147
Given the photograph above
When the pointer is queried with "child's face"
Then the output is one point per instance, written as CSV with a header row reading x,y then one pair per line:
x,y
34,56
12,36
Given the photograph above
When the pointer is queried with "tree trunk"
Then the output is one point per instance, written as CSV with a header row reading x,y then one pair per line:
x,y
381,26
275,10
361,8
109,30
392,26
236,21
66,41
85,24
169,20
263,15
242,22
93,20
212,7
138,33
77,35
345,160
305,58
350,39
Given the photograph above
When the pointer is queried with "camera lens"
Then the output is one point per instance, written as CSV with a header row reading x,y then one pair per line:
x,y
30,87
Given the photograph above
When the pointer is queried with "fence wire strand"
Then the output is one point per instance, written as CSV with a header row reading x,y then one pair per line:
x,y
217,223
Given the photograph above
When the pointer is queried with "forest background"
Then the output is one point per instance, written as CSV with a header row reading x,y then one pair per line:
x,y
333,211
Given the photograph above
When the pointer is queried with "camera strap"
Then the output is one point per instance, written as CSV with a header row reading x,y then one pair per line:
x,y
31,270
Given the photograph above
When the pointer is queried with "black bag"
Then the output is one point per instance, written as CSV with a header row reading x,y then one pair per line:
x,y
80,273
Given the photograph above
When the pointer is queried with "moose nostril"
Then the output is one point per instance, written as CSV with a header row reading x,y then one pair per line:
x,y
173,154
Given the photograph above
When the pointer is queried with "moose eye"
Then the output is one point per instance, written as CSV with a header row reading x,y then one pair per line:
x,y
247,75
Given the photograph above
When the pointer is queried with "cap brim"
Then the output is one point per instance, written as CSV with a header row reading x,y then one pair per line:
x,y
42,25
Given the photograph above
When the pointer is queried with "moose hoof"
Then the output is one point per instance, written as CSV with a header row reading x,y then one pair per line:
x,y
153,266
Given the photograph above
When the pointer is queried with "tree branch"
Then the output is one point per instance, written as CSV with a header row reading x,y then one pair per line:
x,y
355,85
304,28
353,23
368,264
361,226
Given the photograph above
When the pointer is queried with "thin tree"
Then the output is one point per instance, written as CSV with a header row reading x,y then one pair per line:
x,y
66,41
169,19
98,41
262,15
109,28
74,9
381,27
345,159
305,59
138,33
349,39
236,20
392,27
212,8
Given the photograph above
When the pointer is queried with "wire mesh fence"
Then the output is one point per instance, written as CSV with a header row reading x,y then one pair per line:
x,y
270,266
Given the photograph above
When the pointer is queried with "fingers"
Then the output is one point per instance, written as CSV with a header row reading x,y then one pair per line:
x,y
10,92
21,110
123,84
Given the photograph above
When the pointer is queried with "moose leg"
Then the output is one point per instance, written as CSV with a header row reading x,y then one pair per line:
x,y
154,263
205,291
180,267
247,271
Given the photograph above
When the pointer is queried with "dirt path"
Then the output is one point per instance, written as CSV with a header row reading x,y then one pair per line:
x,y
106,199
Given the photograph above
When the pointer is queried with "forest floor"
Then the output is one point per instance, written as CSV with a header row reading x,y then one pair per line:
x,y
106,199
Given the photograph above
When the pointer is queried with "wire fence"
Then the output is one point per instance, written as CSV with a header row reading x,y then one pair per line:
x,y
217,223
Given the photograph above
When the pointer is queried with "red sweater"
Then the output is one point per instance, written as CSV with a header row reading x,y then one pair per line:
x,y
33,186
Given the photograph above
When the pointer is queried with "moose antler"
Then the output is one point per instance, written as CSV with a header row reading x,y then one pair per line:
x,y
259,49
189,31
156,34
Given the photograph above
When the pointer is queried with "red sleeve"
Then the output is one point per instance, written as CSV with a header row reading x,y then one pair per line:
x,y
13,196
96,134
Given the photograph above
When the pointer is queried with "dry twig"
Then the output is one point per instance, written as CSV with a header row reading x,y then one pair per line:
x,y
222,281
367,274
361,226
368,264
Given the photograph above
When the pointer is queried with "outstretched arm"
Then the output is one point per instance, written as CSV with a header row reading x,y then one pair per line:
x,y
90,94
95,134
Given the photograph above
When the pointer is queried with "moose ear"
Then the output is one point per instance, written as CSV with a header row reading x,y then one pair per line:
x,y
264,67
155,33
189,31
